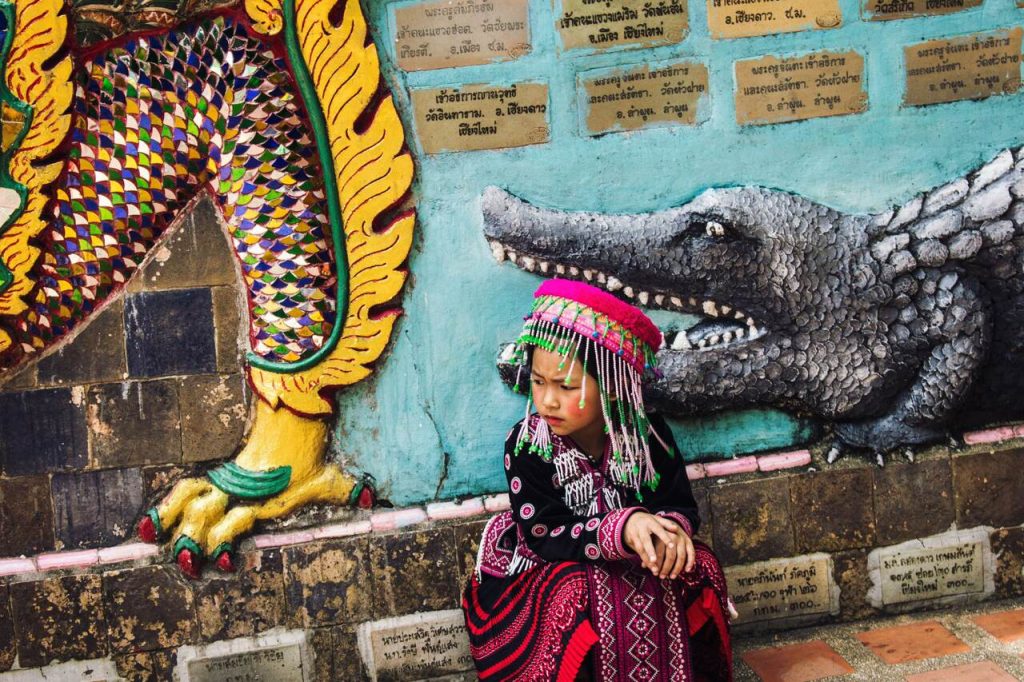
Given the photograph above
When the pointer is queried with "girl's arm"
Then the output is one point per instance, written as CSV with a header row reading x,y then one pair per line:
x,y
673,497
552,530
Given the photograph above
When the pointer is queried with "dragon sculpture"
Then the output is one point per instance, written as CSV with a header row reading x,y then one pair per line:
x,y
275,109
895,327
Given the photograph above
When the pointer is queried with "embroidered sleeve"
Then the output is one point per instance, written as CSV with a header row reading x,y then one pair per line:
x,y
678,518
551,529
609,534
673,498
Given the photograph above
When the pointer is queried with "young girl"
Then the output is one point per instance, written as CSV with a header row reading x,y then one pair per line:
x,y
593,573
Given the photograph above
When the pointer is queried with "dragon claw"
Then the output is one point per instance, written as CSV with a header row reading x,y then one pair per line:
x,y
148,527
225,561
880,460
366,498
834,453
190,563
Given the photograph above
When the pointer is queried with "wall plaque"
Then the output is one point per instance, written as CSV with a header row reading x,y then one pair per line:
x,y
953,566
644,96
441,34
273,664
883,10
471,117
797,587
968,67
423,645
744,18
636,23
778,89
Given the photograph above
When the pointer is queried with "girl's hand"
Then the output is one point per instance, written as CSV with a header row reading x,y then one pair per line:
x,y
680,558
646,535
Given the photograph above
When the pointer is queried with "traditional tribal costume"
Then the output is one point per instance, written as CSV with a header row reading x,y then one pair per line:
x,y
554,581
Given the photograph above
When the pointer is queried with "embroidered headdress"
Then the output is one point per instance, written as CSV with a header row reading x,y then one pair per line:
x,y
618,341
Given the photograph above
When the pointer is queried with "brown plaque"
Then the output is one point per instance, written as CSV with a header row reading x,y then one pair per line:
x,y
640,97
744,18
637,23
968,67
471,117
780,589
778,89
883,10
437,35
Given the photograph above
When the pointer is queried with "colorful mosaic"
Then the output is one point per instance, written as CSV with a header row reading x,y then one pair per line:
x,y
157,120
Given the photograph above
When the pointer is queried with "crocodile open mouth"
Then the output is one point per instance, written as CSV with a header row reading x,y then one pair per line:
x,y
720,324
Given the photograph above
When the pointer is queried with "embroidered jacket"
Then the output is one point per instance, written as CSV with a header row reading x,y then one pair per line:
x,y
568,509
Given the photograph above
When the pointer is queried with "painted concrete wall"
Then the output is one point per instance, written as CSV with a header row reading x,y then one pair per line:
x,y
431,421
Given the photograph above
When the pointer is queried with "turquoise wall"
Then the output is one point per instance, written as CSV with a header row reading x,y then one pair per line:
x,y
430,422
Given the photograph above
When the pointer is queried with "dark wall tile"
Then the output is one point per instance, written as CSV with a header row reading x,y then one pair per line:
x,y
244,603
414,571
97,508
835,510
146,666
913,500
989,489
170,332
329,582
214,412
59,618
196,254
467,541
24,378
96,354
752,520
850,570
149,608
8,650
1008,549
706,531
42,431
336,655
135,423
228,305
26,515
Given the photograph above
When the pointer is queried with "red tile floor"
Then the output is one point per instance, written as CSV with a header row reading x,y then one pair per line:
x,y
976,643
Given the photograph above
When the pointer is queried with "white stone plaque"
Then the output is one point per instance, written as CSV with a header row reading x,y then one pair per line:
x,y
274,656
783,589
415,647
952,566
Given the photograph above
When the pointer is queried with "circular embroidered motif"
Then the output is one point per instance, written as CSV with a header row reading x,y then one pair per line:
x,y
540,530
592,551
576,530
515,485
593,523
557,531
526,511
508,462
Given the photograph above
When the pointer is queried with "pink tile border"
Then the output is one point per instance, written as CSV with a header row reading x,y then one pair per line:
x,y
342,530
730,467
994,435
696,472
17,565
439,511
784,460
497,503
130,552
78,558
279,539
390,520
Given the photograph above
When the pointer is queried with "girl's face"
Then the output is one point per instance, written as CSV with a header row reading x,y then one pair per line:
x,y
558,399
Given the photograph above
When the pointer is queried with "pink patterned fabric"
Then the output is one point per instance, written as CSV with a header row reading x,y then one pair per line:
x,y
609,535
630,317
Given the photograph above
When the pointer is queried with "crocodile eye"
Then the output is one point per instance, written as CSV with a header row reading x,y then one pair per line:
x,y
714,228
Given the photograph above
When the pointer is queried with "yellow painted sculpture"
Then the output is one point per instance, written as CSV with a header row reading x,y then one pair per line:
x,y
362,174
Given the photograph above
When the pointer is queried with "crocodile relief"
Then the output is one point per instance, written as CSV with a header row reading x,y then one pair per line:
x,y
897,328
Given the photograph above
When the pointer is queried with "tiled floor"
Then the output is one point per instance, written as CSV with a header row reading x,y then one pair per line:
x,y
977,643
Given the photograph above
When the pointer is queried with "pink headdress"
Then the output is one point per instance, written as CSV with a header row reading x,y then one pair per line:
x,y
584,324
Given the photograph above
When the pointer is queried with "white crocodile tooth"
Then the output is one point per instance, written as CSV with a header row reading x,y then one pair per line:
x,y
588,274
750,322
727,337
643,297
628,291
725,309
602,278
676,302
498,251
693,302
680,342
511,256
613,284
702,343
659,299
559,269
739,315
713,341
574,271
740,333
544,265
529,263
754,332
710,308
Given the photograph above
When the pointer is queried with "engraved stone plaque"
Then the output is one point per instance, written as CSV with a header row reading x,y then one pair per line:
x,y
883,10
644,96
783,589
423,645
633,23
778,89
273,664
471,117
968,67
949,567
442,34
744,18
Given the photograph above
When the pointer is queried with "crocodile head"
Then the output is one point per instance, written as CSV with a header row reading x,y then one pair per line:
x,y
769,274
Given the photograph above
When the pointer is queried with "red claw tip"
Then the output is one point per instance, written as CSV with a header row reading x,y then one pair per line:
x,y
366,498
225,563
146,529
189,563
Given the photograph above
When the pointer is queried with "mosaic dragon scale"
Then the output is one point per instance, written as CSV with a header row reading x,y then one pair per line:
x,y
895,327
274,109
